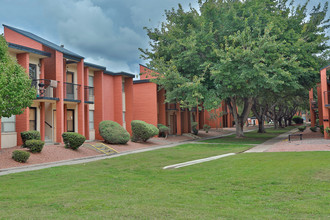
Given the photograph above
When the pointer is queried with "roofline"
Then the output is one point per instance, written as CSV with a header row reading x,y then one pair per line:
x,y
141,81
28,49
119,74
326,67
76,57
94,66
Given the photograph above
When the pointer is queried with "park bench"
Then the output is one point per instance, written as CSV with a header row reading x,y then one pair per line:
x,y
290,135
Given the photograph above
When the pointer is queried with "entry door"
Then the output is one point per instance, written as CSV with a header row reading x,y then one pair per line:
x,y
70,120
69,85
33,74
33,118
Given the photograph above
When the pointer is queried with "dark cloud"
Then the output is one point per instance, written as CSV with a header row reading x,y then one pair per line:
x,y
106,32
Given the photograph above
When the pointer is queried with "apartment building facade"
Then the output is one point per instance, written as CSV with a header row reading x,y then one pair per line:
x,y
72,95
149,105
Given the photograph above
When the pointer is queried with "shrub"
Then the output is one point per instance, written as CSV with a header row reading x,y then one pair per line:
x,y
113,133
327,129
297,119
30,135
20,156
142,131
302,128
322,129
206,128
163,130
35,146
73,140
194,128
317,122
313,129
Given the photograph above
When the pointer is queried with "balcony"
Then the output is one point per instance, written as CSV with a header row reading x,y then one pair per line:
x,y
89,95
71,93
46,88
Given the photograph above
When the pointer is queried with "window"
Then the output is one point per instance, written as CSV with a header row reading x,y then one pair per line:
x,y
91,120
124,118
91,81
33,71
33,118
8,124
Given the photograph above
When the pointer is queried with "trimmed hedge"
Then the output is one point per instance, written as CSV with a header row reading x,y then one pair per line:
x,y
113,133
142,131
35,146
194,127
206,128
20,156
313,129
297,119
30,135
73,140
163,130
302,128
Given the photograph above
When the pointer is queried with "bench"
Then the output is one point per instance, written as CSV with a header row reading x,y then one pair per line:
x,y
290,135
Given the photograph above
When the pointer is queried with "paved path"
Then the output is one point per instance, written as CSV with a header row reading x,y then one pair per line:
x,y
269,144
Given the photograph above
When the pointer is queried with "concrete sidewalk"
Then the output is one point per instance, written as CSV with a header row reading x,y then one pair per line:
x,y
268,144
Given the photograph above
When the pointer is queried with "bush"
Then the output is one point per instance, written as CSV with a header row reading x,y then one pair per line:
x,y
142,131
313,129
206,128
113,133
194,128
35,146
30,135
163,130
322,129
20,156
327,129
73,140
297,119
302,128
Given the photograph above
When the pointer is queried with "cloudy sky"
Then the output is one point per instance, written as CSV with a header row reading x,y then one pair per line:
x,y
105,32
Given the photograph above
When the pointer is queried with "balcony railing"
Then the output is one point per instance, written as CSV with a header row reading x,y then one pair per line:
x,y
46,88
89,94
71,93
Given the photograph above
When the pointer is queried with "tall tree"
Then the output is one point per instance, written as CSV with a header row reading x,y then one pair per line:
x,y
236,51
16,92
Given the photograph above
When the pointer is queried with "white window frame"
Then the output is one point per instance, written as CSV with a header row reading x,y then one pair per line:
x,y
9,120
91,121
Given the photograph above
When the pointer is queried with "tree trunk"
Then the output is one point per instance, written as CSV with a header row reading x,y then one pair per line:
x,y
290,121
261,128
280,122
285,122
240,119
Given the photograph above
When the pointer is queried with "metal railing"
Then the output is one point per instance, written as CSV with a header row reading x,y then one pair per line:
x,y
71,92
89,94
46,88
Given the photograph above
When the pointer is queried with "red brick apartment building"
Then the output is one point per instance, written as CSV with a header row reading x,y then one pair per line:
x,y
72,95
149,105
321,108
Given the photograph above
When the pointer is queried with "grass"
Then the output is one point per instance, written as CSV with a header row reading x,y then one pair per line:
x,y
244,186
251,137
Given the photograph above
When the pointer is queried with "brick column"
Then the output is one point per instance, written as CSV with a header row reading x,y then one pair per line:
x,y
129,103
319,104
86,106
59,70
325,100
161,107
22,120
98,103
118,100
81,95
178,120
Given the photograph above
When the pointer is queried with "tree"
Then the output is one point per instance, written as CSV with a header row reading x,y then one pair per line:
x,y
16,92
237,51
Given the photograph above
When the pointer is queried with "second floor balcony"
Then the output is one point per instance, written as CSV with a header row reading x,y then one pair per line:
x,y
89,94
71,93
46,88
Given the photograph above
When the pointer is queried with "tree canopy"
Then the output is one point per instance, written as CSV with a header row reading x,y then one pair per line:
x,y
16,92
237,51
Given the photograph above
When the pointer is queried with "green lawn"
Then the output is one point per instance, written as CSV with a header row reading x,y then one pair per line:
x,y
251,137
244,186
